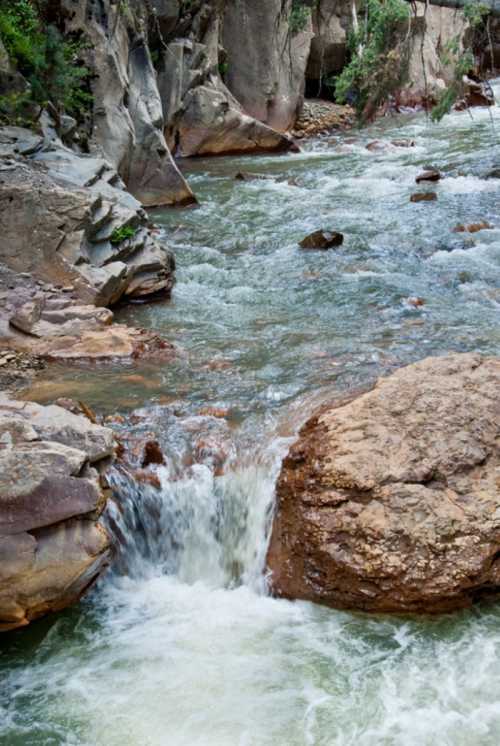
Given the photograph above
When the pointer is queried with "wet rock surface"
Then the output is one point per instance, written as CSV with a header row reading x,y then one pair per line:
x,y
80,227
389,500
52,544
41,322
423,197
322,240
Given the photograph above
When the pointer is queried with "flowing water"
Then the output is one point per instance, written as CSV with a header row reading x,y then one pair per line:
x,y
179,645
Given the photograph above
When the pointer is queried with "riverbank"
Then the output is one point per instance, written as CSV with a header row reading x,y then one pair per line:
x,y
260,325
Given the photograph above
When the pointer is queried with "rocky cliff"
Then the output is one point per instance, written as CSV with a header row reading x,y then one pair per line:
x,y
169,78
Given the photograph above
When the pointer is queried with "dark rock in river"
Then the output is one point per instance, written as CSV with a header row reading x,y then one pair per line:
x,y
322,240
389,501
431,174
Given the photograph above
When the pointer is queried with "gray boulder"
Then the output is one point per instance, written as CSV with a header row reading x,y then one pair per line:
x,y
80,226
266,60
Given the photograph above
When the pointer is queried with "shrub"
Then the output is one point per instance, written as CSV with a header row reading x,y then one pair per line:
x,y
122,234
299,17
48,62
378,65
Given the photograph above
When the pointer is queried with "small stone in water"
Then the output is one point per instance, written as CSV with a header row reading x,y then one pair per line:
x,y
473,227
431,174
423,197
416,302
322,240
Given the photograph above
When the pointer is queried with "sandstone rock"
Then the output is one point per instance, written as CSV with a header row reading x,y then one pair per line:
x,y
431,174
212,124
389,500
331,21
52,546
152,454
423,197
41,319
432,31
57,425
477,93
322,240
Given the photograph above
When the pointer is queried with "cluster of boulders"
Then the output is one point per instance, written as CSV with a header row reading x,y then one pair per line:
x,y
74,242
53,545
79,223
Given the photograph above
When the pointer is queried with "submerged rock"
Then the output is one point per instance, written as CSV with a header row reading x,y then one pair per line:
x,y
52,545
389,500
473,227
322,240
423,197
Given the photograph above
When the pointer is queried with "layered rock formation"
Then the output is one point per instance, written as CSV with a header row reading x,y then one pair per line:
x,y
45,322
52,544
79,225
389,501
127,118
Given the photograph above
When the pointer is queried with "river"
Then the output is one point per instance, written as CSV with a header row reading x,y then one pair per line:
x,y
179,645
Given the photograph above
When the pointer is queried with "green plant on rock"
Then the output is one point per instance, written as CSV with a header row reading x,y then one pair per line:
x,y
379,57
122,234
299,17
49,63
462,61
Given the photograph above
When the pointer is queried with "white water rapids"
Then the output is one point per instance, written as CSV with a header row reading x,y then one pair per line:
x,y
179,645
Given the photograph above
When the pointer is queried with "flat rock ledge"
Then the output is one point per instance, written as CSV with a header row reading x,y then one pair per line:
x,y
52,544
389,500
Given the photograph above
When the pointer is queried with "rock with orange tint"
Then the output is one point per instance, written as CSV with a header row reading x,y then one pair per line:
x,y
473,227
117,342
389,501
52,544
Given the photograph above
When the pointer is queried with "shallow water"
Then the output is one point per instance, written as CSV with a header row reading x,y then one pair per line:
x,y
180,646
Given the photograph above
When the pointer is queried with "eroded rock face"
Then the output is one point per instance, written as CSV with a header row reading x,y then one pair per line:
x,y
266,60
389,501
79,226
52,545
433,31
201,115
128,119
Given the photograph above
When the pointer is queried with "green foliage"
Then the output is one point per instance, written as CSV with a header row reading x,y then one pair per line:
x,y
378,65
475,13
462,60
122,234
48,62
299,17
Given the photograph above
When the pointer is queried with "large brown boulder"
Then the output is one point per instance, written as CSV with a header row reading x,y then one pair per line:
x,y
389,501
52,544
